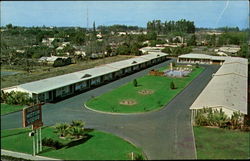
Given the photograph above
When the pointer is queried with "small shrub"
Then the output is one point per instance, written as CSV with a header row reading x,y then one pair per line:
x,y
237,120
76,132
62,129
200,119
172,85
139,157
52,143
47,141
113,109
58,145
135,83
197,65
77,123
159,103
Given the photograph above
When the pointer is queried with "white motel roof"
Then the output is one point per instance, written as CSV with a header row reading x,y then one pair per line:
x,y
52,83
127,63
233,68
228,87
202,56
135,61
66,79
153,55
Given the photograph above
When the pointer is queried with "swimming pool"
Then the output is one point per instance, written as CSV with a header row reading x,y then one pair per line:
x,y
176,73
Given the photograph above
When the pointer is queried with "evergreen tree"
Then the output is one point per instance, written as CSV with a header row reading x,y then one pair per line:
x,y
135,83
172,85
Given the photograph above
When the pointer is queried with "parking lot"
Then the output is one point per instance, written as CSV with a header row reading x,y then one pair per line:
x,y
163,134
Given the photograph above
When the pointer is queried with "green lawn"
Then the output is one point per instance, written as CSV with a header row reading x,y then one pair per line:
x,y
98,146
5,109
215,143
110,102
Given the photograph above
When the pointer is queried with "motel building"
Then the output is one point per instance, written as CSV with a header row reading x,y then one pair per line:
x,y
227,90
201,59
59,87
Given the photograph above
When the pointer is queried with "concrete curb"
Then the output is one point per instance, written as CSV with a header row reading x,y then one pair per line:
x,y
195,150
24,155
117,113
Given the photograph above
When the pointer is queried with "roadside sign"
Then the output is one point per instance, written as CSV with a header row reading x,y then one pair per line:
x,y
37,124
32,114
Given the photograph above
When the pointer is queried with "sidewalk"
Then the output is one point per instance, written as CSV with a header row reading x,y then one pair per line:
x,y
24,156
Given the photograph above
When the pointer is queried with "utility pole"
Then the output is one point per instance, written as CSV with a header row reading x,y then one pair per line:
x,y
87,18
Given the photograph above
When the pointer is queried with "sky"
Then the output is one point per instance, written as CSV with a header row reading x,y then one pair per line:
x,y
210,14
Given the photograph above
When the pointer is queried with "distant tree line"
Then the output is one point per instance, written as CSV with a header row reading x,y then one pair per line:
x,y
117,28
223,29
171,26
176,51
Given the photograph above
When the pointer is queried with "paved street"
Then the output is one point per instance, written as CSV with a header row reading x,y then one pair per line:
x,y
163,134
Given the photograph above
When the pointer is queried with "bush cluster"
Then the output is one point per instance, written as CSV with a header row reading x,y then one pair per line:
x,y
62,62
16,98
52,143
75,130
139,157
210,117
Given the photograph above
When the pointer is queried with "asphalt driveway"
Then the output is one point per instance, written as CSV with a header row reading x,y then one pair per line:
x,y
163,134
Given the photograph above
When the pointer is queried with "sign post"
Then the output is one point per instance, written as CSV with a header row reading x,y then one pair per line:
x,y
41,148
33,116
34,140
37,139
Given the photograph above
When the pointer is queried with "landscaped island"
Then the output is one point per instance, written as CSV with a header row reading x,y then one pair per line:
x,y
151,93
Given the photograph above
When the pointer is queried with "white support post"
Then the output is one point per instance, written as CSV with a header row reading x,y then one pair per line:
x,y
34,146
41,147
37,141
34,143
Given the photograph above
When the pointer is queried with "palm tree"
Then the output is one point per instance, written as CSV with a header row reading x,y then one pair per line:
x,y
62,129
236,119
76,132
77,123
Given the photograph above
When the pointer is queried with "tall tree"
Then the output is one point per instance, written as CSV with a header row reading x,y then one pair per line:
x,y
94,29
192,41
